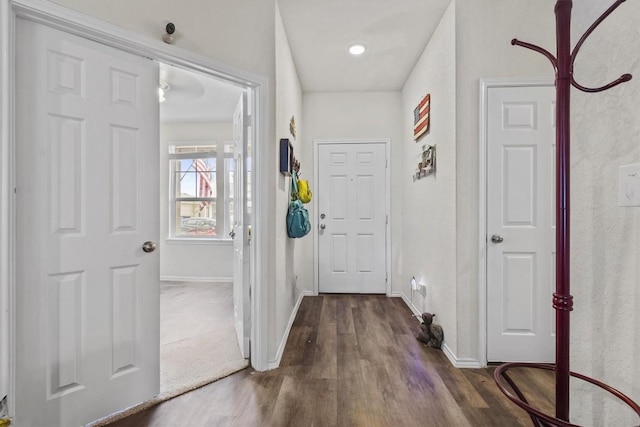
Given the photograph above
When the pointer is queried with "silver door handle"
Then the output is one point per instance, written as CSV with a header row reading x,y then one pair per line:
x,y
496,238
148,246
232,234
322,226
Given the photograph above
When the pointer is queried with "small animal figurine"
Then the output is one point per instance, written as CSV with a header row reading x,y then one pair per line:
x,y
430,334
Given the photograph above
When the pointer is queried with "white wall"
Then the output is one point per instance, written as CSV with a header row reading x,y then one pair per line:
x,y
359,115
182,259
288,285
429,204
605,246
235,33
483,34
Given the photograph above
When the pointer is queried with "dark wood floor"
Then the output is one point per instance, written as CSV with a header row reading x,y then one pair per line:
x,y
353,361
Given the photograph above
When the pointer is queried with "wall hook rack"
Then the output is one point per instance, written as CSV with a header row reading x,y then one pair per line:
x,y
562,299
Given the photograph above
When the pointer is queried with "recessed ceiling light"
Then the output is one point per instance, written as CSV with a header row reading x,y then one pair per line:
x,y
357,49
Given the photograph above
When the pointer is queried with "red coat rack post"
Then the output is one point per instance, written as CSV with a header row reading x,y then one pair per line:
x,y
562,298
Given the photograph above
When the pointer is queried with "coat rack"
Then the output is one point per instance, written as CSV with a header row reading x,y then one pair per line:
x,y
562,298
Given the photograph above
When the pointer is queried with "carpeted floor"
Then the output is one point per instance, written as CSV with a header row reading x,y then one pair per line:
x,y
198,341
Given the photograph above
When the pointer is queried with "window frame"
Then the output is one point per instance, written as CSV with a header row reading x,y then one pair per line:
x,y
221,189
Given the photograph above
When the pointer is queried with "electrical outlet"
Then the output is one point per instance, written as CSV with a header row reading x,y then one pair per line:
x,y
629,185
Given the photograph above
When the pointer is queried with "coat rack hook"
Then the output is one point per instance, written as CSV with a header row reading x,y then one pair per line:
x,y
576,49
546,53
622,79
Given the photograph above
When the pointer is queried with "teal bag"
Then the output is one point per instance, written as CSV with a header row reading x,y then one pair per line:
x,y
298,223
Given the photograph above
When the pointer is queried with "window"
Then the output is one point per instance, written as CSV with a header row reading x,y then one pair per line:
x,y
202,187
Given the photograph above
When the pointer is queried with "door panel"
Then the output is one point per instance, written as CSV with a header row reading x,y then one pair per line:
x,y
520,208
87,296
352,236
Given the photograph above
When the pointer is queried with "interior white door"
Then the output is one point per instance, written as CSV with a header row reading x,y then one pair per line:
x,y
87,167
520,224
352,218
241,229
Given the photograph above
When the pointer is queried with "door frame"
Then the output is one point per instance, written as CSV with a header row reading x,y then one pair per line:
x,y
91,28
316,216
485,85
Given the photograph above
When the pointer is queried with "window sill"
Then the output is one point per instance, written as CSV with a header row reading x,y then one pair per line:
x,y
198,241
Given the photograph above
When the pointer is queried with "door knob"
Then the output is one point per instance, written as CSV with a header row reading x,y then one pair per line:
x,y
322,226
148,246
232,234
496,238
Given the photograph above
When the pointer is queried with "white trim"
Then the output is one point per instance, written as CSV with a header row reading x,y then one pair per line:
x,y
75,23
408,302
259,246
198,241
316,219
275,363
5,202
485,84
387,165
463,363
196,279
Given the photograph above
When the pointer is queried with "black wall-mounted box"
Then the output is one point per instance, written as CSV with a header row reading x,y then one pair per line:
x,y
286,154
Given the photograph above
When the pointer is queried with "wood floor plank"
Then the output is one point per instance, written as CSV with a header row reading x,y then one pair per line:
x,y
352,360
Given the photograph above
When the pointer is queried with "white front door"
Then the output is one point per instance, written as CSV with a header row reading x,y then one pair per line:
x,y
352,218
87,295
241,219
520,224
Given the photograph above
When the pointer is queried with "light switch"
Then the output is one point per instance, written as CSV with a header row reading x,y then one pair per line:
x,y
629,185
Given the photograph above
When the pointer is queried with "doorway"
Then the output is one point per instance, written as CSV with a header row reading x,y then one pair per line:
x,y
518,230
352,205
203,194
130,43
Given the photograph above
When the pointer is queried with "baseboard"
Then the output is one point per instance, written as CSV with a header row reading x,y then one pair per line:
x,y
408,302
196,279
462,362
273,364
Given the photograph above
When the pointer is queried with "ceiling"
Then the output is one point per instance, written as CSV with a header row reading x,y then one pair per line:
x,y
319,33
396,33
195,97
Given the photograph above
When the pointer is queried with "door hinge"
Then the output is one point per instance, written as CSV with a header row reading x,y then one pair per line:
x,y
386,277
386,163
386,221
248,120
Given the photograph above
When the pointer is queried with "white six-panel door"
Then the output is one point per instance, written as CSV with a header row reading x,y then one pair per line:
x,y
352,218
520,224
87,295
